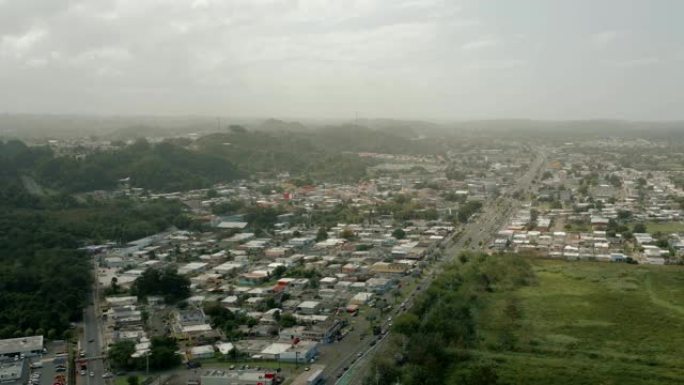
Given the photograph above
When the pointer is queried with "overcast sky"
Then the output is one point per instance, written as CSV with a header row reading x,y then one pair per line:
x,y
428,59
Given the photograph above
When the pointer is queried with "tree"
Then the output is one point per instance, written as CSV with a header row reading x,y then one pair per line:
x,y
406,324
163,353
167,283
287,320
453,173
399,233
639,228
132,380
347,234
322,234
237,129
120,354
278,272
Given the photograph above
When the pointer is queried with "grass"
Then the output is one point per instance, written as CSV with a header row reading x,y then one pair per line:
x,y
123,380
590,323
665,227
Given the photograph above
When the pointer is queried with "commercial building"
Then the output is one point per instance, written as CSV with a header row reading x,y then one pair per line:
x,y
236,377
27,346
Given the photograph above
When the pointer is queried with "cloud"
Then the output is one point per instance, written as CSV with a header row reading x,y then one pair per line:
x,y
19,45
606,38
479,44
634,62
497,64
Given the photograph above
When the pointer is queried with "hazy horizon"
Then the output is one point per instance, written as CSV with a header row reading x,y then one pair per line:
x,y
429,60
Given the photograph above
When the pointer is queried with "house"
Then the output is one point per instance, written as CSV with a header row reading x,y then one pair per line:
x,y
361,298
253,278
224,347
389,268
192,268
378,285
309,307
201,352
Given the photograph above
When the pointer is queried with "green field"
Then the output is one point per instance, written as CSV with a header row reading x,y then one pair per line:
x,y
590,323
665,227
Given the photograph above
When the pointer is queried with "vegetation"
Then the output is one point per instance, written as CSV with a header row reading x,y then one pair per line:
x,y
467,210
226,320
162,355
167,283
444,320
162,167
320,155
539,322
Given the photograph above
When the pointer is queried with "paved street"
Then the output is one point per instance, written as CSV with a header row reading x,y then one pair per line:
x,y
92,342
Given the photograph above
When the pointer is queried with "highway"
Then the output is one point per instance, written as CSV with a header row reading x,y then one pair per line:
x,y
481,229
92,343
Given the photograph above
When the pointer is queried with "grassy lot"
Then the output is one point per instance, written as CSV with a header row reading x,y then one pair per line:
x,y
589,323
665,227
123,380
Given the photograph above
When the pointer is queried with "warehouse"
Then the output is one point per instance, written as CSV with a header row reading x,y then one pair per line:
x,y
27,346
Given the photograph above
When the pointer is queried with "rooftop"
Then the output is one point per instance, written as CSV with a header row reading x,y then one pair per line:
x,y
21,345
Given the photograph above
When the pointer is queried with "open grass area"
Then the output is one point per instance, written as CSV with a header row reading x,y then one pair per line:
x,y
589,323
123,380
665,227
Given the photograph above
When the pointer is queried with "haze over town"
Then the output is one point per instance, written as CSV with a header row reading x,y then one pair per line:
x,y
428,59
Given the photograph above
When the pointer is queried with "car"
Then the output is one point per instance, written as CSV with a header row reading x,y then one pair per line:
x,y
83,372
359,354
232,367
107,375
194,364
345,368
307,369
91,340
92,374
372,343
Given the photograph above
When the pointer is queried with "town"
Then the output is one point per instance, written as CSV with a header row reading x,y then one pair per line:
x,y
298,282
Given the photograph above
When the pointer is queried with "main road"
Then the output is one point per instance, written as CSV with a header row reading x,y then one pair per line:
x,y
92,343
477,232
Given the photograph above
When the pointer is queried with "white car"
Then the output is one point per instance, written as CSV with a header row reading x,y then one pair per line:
x,y
92,374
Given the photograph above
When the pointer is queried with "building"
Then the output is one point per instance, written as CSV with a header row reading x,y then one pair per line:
x,y
202,352
14,372
236,377
309,307
26,346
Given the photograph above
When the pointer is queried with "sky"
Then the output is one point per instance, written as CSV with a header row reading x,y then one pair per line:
x,y
418,59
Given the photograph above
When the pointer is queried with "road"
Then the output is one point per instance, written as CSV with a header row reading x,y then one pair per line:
x,y
92,340
477,232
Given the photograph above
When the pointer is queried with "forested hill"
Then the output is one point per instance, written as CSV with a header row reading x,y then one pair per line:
x,y
44,278
182,164
159,167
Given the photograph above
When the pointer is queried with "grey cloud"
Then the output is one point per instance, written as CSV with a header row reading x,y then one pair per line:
x,y
323,58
